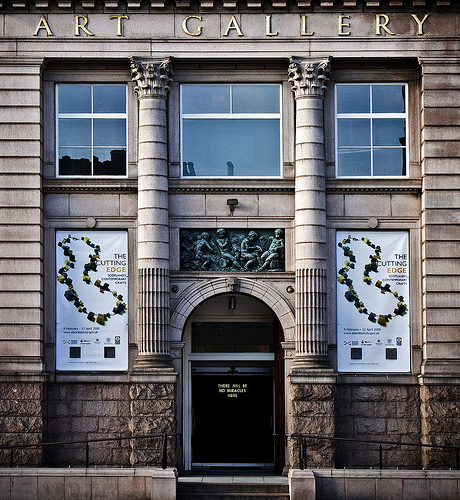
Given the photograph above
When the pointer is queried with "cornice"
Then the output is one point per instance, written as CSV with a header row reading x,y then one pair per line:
x,y
196,186
209,186
374,186
226,5
198,190
89,185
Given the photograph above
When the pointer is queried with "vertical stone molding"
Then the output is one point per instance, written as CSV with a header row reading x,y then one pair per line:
x,y
308,80
311,314
152,85
154,311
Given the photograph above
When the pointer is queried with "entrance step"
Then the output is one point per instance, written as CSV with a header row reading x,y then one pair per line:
x,y
230,488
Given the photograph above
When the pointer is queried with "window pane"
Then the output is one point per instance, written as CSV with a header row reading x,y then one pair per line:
x,y
232,147
232,337
205,99
108,161
353,99
74,132
354,162
109,99
388,99
389,132
109,132
74,98
74,161
354,132
256,99
389,161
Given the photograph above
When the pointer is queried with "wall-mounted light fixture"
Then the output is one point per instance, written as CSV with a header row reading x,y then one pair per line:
x,y
232,203
232,302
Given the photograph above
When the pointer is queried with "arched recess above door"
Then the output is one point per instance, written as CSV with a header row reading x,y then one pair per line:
x,y
194,295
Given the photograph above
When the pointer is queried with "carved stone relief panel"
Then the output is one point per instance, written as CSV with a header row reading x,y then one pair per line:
x,y
247,250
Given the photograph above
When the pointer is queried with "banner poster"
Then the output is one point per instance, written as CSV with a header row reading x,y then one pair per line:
x,y
91,300
373,301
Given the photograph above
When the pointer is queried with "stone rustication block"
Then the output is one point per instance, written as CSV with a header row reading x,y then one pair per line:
x,y
377,412
312,412
153,411
21,421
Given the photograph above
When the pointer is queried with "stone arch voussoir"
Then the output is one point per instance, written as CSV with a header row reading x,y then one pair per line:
x,y
197,293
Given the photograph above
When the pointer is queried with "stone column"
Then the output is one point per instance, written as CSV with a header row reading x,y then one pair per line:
x,y
152,85
308,82
312,380
153,381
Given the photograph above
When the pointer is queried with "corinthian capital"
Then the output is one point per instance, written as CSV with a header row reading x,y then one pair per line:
x,y
151,78
308,78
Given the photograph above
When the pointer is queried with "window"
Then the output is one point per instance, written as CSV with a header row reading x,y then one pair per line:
x,y
371,130
91,130
231,130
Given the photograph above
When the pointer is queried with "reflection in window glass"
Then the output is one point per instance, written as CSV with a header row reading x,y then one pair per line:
x,y
389,132
388,98
231,130
74,161
198,99
75,132
371,130
109,132
74,98
91,130
255,99
389,161
354,132
354,162
109,99
232,147
353,98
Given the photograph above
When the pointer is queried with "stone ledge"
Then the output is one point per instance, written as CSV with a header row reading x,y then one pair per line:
x,y
57,484
373,484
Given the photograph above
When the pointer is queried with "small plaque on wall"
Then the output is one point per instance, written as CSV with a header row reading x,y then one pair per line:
x,y
246,250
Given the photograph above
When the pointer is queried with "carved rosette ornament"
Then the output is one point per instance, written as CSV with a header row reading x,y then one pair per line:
x,y
153,79
308,78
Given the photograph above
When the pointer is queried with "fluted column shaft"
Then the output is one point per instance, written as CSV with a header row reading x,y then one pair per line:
x,y
308,82
153,80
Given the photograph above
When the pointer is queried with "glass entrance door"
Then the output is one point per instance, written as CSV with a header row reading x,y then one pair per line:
x,y
232,416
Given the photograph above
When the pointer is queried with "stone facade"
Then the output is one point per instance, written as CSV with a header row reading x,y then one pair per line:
x,y
153,48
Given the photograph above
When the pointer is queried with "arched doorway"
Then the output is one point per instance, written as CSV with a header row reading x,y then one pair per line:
x,y
233,386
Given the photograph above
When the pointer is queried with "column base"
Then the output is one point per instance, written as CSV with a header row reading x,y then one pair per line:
x,y
154,367
315,369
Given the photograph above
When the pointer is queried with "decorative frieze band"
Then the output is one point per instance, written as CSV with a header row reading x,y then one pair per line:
x,y
211,4
232,250
152,78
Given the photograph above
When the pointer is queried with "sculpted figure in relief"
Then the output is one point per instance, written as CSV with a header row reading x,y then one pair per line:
x,y
250,250
204,251
273,256
226,250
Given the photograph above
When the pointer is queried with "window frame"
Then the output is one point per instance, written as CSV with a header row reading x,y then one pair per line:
x,y
91,116
370,116
231,116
